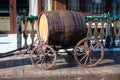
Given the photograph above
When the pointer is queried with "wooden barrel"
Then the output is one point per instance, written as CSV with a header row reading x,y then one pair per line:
x,y
61,27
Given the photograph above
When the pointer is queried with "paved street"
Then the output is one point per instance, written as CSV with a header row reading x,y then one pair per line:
x,y
19,67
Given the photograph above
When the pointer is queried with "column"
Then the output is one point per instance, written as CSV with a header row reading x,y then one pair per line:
x,y
33,7
48,5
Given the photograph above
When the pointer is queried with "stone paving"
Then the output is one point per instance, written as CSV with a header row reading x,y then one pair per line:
x,y
19,67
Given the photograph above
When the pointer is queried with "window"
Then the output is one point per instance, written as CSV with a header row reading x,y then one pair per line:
x,y
118,7
97,1
4,8
22,7
73,5
95,6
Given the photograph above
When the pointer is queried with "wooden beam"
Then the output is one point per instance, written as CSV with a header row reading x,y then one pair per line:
x,y
40,6
12,16
60,4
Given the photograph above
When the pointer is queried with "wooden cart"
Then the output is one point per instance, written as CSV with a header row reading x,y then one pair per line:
x,y
66,29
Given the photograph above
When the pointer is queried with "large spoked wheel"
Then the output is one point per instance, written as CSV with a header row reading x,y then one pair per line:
x,y
88,52
43,57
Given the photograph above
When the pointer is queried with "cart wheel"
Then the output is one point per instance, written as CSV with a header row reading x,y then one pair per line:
x,y
43,57
88,52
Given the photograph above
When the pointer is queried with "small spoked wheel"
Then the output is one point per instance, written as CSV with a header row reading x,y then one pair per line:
x,y
88,52
43,57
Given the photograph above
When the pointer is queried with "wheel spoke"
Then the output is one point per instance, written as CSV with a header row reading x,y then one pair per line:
x,y
51,55
45,63
80,54
96,46
93,58
48,63
83,57
38,61
35,58
86,60
42,61
90,60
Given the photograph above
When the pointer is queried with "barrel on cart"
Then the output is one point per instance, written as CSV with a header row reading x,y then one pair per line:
x,y
64,28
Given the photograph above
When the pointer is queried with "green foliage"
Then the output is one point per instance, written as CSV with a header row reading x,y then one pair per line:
x,y
104,16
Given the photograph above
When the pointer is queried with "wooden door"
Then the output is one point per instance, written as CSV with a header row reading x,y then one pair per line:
x,y
13,16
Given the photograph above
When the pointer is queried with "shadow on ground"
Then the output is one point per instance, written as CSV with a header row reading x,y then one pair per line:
x,y
67,62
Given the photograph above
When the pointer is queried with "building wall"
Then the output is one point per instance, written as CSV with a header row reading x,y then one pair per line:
x,y
22,7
